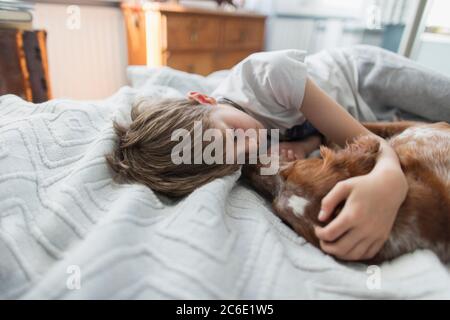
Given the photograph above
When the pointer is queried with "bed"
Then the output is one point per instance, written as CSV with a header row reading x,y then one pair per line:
x,y
67,231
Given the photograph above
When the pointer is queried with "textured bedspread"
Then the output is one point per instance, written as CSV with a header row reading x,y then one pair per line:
x,y
67,231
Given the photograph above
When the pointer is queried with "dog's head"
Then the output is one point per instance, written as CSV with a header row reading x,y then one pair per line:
x,y
308,181
318,176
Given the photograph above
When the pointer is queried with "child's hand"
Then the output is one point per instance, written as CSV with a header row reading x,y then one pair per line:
x,y
297,150
364,224
291,151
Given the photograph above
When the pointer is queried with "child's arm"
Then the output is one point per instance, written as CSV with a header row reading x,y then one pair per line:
x,y
372,201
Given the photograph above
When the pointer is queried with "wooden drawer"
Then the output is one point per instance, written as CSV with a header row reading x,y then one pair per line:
x,y
201,63
190,39
227,60
244,33
184,32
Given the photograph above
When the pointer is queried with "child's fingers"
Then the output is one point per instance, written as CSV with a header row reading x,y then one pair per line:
x,y
290,155
337,250
271,151
335,229
357,253
339,193
373,250
343,245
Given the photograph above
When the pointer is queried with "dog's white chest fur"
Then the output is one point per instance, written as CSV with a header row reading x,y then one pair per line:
x,y
298,205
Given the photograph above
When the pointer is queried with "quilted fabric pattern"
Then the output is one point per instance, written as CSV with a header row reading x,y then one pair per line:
x,y
60,209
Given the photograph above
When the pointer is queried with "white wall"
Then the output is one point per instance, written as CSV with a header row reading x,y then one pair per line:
x,y
315,25
87,57
434,52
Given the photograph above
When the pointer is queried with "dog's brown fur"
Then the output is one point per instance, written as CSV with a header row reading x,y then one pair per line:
x,y
423,221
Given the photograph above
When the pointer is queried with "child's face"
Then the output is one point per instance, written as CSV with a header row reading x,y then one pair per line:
x,y
225,116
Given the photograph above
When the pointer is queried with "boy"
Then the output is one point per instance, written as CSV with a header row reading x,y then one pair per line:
x,y
278,90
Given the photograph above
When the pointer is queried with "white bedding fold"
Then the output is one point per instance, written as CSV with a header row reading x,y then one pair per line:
x,y
60,211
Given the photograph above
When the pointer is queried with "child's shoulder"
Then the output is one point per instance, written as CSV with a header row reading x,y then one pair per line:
x,y
275,57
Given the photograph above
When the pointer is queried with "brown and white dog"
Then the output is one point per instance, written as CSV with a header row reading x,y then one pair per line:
x,y
423,221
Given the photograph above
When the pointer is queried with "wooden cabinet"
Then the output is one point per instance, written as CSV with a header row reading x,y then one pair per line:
x,y
24,65
187,32
242,33
193,40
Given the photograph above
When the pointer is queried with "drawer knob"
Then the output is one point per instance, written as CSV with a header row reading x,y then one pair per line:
x,y
242,35
194,36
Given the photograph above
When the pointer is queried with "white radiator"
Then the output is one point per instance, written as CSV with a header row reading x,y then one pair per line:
x,y
87,49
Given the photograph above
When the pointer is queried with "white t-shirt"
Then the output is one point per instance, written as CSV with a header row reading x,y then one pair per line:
x,y
269,86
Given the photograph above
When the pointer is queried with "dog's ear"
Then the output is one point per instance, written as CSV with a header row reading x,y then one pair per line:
x,y
327,154
358,157
365,148
363,153
286,169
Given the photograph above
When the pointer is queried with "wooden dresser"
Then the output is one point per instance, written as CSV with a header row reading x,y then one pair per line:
x,y
190,39
24,64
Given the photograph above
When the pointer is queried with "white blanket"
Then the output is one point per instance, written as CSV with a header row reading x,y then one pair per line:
x,y
67,231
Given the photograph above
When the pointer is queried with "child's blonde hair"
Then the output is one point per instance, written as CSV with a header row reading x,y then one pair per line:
x,y
144,150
